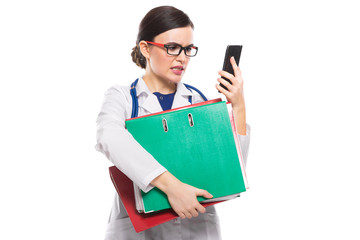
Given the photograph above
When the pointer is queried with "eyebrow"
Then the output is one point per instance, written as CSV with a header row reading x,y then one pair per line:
x,y
175,43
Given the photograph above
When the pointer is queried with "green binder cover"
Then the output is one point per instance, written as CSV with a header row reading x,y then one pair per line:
x,y
196,145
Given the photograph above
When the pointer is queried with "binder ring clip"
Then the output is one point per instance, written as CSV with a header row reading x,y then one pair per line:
x,y
165,126
191,120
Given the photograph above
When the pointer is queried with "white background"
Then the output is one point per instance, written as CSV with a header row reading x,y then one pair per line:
x,y
300,64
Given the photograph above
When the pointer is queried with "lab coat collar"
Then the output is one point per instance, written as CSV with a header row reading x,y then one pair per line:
x,y
141,88
151,103
182,96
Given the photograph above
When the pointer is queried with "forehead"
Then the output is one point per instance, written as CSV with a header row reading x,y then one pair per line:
x,y
183,36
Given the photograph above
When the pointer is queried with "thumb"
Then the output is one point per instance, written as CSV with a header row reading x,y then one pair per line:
x,y
203,193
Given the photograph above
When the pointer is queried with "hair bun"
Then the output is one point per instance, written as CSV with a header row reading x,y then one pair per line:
x,y
138,58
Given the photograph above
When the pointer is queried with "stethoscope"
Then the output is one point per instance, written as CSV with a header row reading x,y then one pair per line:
x,y
135,103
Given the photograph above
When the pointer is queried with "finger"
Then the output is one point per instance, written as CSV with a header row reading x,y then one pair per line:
x,y
208,195
200,208
203,193
222,90
228,85
194,212
235,67
226,75
187,214
181,215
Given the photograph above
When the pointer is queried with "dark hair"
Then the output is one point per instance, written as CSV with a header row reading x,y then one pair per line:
x,y
155,22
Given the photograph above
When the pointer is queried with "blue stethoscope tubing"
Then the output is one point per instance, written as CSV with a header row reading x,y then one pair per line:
x,y
135,103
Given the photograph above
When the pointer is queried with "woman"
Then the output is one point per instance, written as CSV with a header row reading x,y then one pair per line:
x,y
163,48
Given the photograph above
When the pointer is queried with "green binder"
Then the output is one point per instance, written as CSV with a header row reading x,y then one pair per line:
x,y
197,145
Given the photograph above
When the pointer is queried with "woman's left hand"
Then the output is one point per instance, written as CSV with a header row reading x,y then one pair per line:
x,y
235,95
235,92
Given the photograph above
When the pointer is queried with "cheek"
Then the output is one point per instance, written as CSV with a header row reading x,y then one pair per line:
x,y
187,61
160,63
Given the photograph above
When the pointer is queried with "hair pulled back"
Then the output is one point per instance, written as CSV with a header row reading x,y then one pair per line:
x,y
155,22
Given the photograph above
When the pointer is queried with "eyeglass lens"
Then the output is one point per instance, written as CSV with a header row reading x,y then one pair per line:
x,y
176,49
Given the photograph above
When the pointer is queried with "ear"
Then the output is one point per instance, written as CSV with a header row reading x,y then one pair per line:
x,y
144,49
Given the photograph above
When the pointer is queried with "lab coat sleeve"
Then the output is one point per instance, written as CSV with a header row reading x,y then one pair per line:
x,y
244,143
118,144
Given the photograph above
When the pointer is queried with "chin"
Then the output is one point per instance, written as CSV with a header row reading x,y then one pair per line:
x,y
175,78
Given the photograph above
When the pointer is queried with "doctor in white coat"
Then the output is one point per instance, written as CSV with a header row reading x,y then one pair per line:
x,y
164,47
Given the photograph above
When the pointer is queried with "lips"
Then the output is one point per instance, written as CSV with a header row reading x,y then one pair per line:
x,y
178,70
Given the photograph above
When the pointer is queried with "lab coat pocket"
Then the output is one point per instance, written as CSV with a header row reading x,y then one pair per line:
x,y
204,227
122,229
212,226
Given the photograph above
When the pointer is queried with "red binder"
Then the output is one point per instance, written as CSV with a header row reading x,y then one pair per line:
x,y
125,188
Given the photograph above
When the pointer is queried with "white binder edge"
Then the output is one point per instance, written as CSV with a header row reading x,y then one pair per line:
x,y
237,143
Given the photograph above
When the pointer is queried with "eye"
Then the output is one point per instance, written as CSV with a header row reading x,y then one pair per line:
x,y
173,47
189,49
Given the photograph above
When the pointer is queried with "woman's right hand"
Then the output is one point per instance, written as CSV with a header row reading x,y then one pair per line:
x,y
181,196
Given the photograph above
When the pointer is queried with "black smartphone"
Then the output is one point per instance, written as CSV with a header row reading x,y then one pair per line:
x,y
231,51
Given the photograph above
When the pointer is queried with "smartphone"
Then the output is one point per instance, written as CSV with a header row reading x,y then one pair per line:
x,y
231,51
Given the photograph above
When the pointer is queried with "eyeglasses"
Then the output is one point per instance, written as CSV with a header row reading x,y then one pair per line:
x,y
175,49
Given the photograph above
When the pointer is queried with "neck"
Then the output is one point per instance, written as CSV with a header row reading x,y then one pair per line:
x,y
156,84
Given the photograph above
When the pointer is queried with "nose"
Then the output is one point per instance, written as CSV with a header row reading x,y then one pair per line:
x,y
181,57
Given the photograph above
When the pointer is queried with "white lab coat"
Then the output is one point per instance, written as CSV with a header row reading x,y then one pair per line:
x,y
127,155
